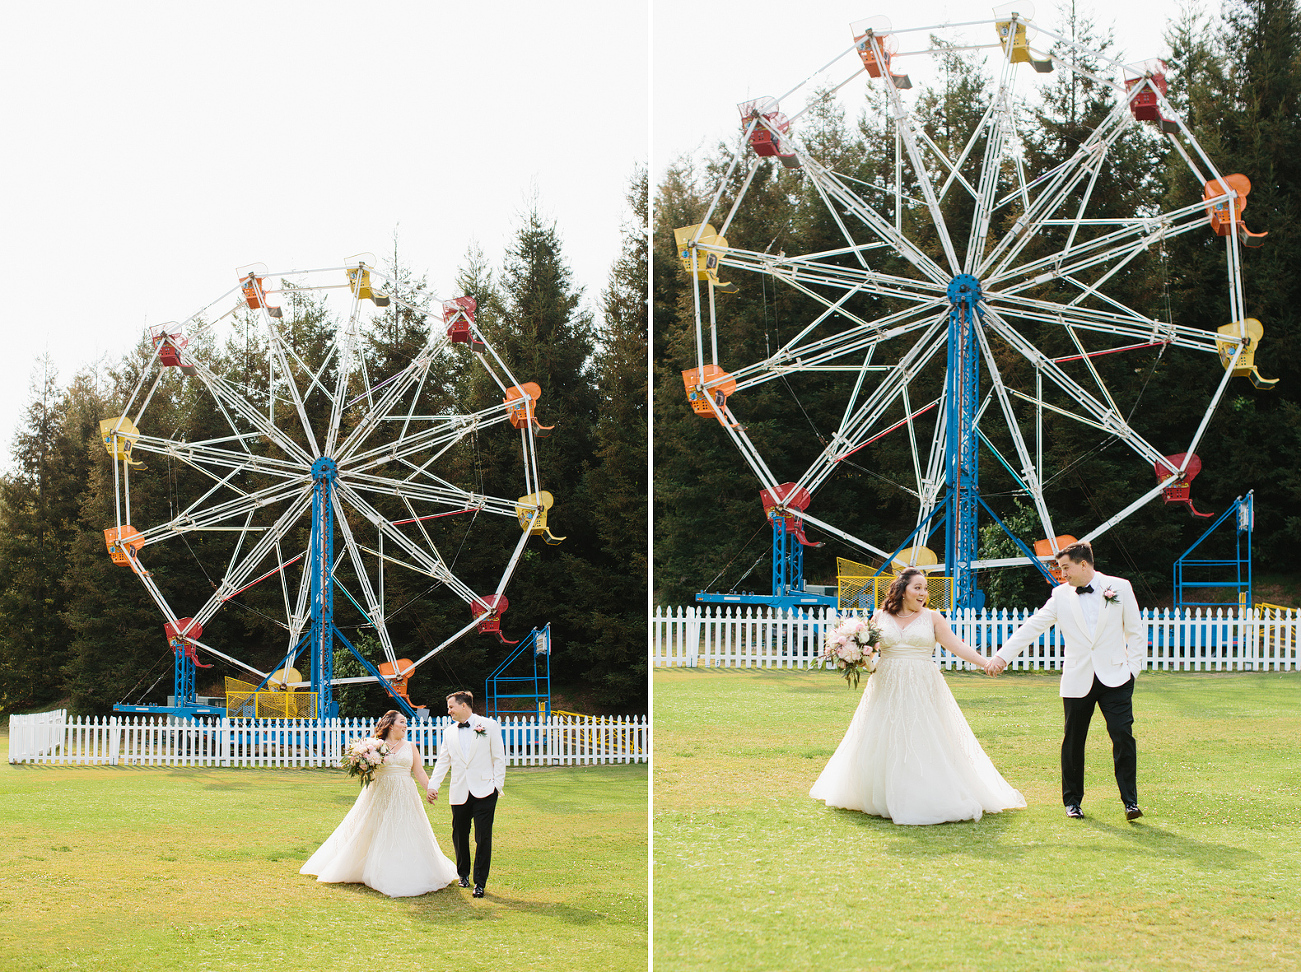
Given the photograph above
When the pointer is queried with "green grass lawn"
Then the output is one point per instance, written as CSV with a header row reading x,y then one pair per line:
x,y
751,874
120,868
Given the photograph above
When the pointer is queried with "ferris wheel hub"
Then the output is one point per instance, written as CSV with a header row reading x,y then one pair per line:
x,y
965,289
325,468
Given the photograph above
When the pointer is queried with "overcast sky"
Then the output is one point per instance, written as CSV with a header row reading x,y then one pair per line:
x,y
153,147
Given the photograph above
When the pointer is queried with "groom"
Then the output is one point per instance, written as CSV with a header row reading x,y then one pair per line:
x,y
1097,617
473,750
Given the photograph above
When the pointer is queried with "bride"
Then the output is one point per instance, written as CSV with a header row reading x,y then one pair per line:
x,y
385,841
909,754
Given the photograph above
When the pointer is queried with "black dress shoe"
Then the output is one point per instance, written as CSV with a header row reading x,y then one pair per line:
x,y
1132,812
1074,812
464,882
478,891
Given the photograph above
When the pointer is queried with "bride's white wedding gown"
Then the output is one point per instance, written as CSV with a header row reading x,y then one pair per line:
x,y
385,841
908,753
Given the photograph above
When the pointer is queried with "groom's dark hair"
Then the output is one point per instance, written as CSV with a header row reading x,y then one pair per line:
x,y
1081,552
464,698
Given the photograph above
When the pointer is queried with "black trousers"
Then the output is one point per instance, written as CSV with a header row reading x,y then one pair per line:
x,y
480,810
1117,705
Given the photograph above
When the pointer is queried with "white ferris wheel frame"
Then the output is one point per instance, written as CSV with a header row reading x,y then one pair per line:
x,y
360,459
993,262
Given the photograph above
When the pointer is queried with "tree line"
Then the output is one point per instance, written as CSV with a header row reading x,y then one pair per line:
x,y
1237,83
76,628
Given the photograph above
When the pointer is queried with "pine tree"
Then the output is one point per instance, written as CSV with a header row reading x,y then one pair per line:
x,y
609,609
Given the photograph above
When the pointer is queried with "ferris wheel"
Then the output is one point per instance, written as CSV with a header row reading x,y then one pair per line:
x,y
927,309
322,465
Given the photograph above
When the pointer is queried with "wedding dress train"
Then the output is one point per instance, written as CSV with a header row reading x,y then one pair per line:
x,y
909,754
385,841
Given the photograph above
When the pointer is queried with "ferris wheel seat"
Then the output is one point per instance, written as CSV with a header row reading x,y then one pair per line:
x,y
1226,216
122,543
490,616
705,262
459,316
913,557
119,435
519,402
539,503
1016,40
398,684
1247,334
359,283
721,387
255,295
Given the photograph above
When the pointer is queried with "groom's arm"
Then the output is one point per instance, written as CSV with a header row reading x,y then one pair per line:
x,y
1035,625
442,763
1135,643
497,749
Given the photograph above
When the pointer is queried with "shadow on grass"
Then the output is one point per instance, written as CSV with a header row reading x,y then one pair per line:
x,y
455,904
1160,842
970,838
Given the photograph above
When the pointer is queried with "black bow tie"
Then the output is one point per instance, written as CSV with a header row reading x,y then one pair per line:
x,y
463,725
1084,590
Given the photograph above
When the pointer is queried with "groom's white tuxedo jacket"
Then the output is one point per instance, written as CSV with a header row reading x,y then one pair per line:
x,y
478,768
1113,650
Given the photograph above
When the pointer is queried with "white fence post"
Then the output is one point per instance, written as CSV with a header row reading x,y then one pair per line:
x,y
1188,640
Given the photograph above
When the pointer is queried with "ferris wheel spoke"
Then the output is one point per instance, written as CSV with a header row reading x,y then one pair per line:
x,y
1135,236
227,395
998,124
1029,475
346,355
443,431
1100,414
451,497
1055,194
1107,322
813,270
825,354
907,129
210,519
235,579
373,606
884,230
276,350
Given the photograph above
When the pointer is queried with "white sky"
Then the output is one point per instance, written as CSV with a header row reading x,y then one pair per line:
x,y
709,56
153,147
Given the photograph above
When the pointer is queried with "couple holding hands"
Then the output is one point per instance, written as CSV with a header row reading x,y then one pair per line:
x,y
909,754
386,842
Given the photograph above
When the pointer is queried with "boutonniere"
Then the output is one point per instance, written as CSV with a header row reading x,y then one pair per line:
x,y
1110,596
480,728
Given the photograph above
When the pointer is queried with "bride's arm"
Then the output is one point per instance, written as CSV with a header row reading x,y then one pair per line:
x,y
418,767
945,636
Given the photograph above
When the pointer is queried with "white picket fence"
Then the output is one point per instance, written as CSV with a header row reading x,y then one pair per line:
x,y
733,636
54,737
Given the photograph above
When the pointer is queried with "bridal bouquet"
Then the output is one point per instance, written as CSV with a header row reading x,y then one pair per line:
x,y
363,757
852,646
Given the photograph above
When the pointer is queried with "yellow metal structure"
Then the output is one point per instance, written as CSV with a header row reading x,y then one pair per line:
x,y
527,506
912,557
119,435
1019,51
281,679
244,701
1251,331
705,263
359,282
857,589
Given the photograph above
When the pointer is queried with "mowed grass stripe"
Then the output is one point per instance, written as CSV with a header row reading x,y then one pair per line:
x,y
750,874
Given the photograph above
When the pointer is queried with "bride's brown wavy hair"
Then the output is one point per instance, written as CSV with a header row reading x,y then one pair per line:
x,y
892,603
385,724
